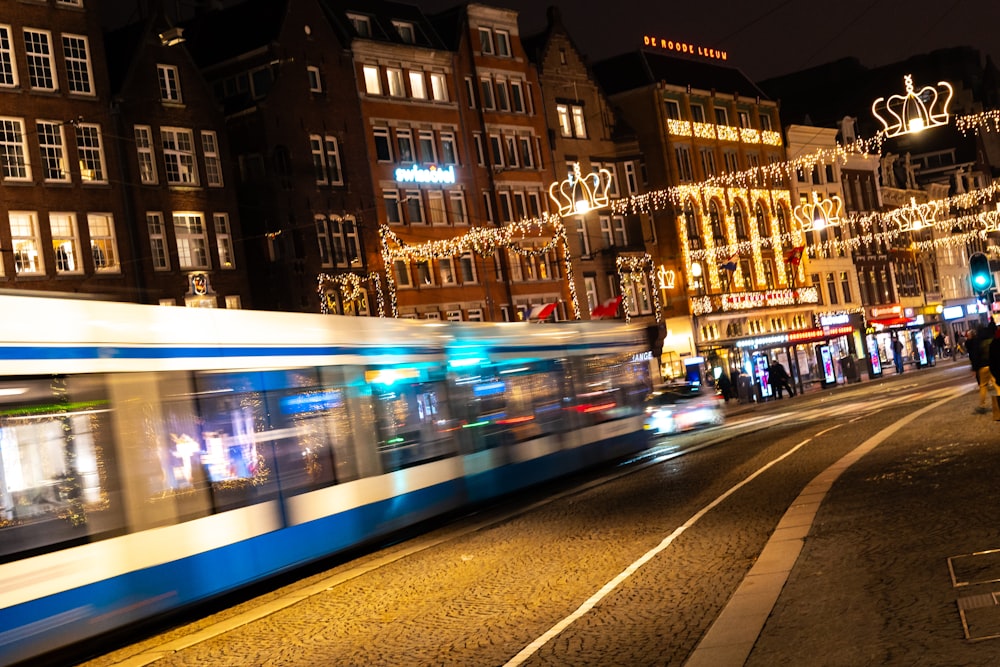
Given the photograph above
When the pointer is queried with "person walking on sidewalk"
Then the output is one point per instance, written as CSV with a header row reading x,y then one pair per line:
x,y
979,359
779,378
897,354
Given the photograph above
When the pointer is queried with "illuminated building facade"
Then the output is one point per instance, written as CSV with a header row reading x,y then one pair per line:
x,y
178,179
729,234
586,133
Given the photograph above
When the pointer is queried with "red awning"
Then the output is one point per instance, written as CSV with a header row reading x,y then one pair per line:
x,y
893,321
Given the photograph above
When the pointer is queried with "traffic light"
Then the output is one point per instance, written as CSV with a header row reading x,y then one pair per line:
x,y
979,272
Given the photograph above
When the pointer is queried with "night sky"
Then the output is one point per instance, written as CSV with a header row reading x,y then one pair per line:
x,y
764,38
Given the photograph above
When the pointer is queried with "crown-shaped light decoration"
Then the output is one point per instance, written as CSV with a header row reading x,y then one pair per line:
x,y
578,193
915,111
915,217
819,213
666,278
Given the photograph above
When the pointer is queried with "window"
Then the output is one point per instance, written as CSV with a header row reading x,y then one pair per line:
x,y
517,96
213,163
470,91
90,152
456,206
402,270
418,87
392,211
319,163
192,241
157,241
446,269
765,122
831,289
8,68
224,241
527,156
362,25
102,242
743,117
178,156
373,83
480,155
845,286
721,117
170,90
25,243
565,127
732,161
78,75
697,113
503,43
424,276
415,207
352,246
520,209
673,109
435,207
606,234
38,53
768,273
439,87
511,145
496,148
326,159
53,150
404,145
506,209
708,162
503,99
405,31
144,150
740,223
581,235
579,126
449,154
425,143
383,148
333,160
618,229
684,170
65,243
486,89
395,78
467,267
486,41
630,180
323,238
315,83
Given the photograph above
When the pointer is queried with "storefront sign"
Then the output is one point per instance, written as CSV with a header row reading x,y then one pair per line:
x,y
953,313
426,175
684,47
834,320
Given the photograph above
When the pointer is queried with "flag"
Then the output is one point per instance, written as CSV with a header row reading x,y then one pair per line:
x,y
541,312
794,255
607,309
730,264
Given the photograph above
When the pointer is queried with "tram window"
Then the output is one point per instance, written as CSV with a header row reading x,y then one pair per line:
x,y
609,386
413,419
57,471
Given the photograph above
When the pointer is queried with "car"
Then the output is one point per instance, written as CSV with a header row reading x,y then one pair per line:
x,y
682,406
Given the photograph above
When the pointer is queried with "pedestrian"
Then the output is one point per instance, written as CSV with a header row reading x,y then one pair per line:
x,y
897,353
979,358
939,342
725,387
780,379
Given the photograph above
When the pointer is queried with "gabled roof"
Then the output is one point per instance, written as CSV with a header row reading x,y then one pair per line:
x,y
638,69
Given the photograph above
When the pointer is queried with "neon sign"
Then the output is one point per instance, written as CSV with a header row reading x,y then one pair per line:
x,y
684,47
429,175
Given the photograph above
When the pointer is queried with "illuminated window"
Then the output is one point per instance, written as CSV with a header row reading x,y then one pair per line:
x,y
439,87
768,265
435,208
91,152
565,128
65,242
157,241
740,222
395,78
26,243
763,225
213,162
103,245
53,150
224,241
170,90
38,53
8,68
192,241
77,56
418,87
373,82
579,124
145,154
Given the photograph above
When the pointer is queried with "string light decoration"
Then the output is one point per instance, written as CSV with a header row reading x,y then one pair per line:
x,y
914,217
349,286
819,213
914,111
483,241
637,269
579,194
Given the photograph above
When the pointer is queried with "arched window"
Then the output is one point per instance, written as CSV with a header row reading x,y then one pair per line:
x,y
782,220
692,227
740,222
763,224
715,217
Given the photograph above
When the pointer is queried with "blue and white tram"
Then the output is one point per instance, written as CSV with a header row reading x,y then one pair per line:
x,y
154,457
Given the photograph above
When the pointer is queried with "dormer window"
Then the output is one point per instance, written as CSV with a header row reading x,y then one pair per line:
x,y
362,25
486,41
405,31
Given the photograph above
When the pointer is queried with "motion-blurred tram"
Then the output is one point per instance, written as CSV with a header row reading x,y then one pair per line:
x,y
153,457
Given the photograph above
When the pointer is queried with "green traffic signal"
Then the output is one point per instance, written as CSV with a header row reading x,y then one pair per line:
x,y
979,271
